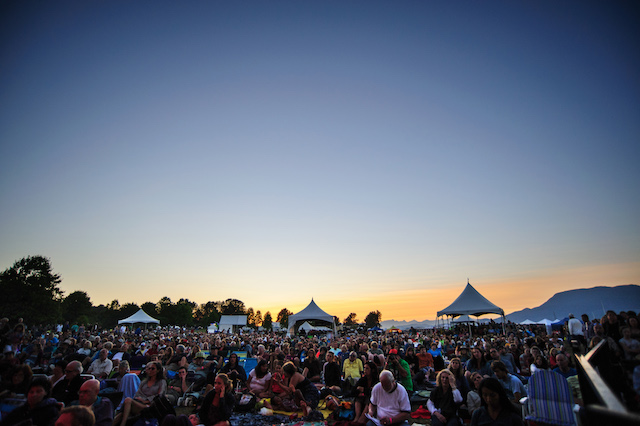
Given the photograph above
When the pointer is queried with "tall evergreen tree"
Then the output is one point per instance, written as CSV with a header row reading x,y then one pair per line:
x,y
30,290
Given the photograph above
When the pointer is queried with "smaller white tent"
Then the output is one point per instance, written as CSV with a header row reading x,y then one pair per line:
x,y
232,323
463,319
139,317
305,326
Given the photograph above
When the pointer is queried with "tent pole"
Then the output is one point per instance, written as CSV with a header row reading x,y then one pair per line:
x,y
504,325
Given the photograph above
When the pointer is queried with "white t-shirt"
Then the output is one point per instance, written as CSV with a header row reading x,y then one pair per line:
x,y
259,385
390,404
575,327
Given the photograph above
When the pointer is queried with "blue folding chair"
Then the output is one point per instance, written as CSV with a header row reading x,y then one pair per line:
x,y
550,400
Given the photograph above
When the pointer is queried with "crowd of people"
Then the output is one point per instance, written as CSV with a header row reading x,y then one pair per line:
x,y
480,377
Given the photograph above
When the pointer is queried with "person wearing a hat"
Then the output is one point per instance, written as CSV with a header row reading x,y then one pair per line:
x,y
462,352
201,368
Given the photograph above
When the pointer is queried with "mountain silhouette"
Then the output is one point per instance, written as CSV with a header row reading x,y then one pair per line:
x,y
591,301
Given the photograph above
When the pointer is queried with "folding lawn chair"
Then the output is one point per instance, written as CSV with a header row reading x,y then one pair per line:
x,y
550,401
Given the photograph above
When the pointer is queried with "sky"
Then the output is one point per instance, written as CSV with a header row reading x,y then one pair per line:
x,y
369,155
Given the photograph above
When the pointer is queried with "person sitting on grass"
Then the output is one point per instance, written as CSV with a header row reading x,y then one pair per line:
x,y
234,370
496,408
390,403
352,369
444,400
39,408
217,406
362,391
259,381
331,374
305,394
511,384
153,385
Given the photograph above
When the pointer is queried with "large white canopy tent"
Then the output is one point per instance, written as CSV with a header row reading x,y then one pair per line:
x,y
471,302
139,317
311,312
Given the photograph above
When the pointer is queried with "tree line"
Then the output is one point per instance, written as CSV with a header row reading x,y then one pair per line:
x,y
30,290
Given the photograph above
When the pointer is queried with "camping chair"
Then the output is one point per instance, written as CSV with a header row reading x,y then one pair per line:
x,y
242,355
137,362
128,386
250,364
550,401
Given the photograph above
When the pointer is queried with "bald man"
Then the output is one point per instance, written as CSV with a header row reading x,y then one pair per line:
x,y
390,403
101,407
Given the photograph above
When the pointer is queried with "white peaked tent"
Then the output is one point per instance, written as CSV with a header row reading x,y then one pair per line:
x,y
139,317
311,312
463,319
305,326
471,302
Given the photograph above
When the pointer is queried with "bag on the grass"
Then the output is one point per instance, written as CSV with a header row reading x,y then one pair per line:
x,y
160,407
343,413
246,402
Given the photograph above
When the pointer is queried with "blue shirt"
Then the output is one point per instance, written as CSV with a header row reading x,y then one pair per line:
x,y
571,372
435,352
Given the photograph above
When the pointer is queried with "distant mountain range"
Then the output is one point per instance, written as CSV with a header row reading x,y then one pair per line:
x,y
591,301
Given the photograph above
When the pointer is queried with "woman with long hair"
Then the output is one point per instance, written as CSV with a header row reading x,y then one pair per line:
x,y
18,382
456,367
362,391
539,363
473,397
153,385
444,400
496,408
234,370
305,393
165,358
412,360
526,359
217,406
259,381
478,362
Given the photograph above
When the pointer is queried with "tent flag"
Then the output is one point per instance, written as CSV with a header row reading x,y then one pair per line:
x,y
140,316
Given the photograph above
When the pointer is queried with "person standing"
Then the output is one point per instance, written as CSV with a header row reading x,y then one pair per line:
x,y
576,332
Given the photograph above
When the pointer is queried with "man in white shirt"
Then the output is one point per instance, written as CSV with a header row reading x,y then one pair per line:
x,y
102,366
390,403
575,330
